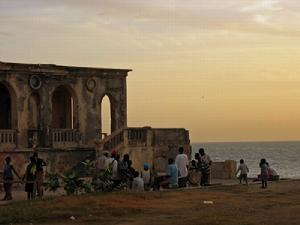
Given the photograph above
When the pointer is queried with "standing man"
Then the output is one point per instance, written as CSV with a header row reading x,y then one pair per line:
x,y
8,178
182,163
206,161
40,163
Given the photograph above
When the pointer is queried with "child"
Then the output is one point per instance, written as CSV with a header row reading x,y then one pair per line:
x,y
171,179
8,178
263,173
30,178
146,175
243,169
138,182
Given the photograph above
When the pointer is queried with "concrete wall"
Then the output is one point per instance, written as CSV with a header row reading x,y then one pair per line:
x,y
57,161
152,145
224,170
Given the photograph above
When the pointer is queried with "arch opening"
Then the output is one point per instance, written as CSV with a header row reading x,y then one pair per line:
x,y
5,108
62,108
106,125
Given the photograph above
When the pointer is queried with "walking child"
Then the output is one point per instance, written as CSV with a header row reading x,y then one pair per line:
x,y
263,173
243,169
146,175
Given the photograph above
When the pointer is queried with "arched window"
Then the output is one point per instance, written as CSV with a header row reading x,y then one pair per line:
x,y
62,108
5,108
106,115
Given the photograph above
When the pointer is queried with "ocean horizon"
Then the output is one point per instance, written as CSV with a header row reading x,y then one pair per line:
x,y
283,156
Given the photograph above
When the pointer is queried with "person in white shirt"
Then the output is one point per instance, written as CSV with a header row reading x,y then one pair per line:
x,y
182,163
114,168
138,182
243,169
100,162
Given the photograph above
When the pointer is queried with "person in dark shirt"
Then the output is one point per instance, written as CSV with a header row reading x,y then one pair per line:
x,y
131,173
123,170
203,166
8,178
40,163
30,178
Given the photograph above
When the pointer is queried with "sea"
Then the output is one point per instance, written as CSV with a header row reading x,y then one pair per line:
x,y
284,157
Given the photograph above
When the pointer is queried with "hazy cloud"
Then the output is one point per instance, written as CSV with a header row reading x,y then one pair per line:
x,y
262,19
262,5
155,17
5,34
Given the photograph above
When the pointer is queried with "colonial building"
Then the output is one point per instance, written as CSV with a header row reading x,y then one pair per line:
x,y
53,106
56,110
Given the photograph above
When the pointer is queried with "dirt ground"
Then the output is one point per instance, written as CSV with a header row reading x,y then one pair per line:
x,y
219,205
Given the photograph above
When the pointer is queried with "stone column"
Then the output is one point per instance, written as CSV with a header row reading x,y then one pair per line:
x,y
46,116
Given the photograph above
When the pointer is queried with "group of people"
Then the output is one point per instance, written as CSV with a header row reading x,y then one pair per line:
x,y
123,172
266,172
180,169
176,174
33,177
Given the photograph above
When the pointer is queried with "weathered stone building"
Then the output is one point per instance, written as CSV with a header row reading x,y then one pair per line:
x,y
56,110
57,106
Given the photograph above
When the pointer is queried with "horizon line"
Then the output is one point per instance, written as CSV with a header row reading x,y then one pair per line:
x,y
243,141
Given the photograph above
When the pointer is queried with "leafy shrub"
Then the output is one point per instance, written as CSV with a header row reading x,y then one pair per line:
x,y
89,166
102,182
52,182
73,184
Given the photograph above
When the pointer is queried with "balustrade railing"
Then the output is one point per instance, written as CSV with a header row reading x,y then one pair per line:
x,y
137,135
132,136
8,138
65,137
113,140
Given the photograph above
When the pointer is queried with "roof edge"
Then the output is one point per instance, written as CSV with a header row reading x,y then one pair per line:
x,y
31,66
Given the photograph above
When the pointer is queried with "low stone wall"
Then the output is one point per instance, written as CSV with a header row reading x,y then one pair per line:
x,y
154,146
57,161
223,170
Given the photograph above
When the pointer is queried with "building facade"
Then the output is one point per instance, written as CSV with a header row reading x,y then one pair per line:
x,y
56,111
57,107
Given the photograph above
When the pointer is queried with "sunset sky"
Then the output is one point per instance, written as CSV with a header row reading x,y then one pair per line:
x,y
226,70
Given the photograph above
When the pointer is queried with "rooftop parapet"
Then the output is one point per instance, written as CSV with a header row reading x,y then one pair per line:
x,y
60,70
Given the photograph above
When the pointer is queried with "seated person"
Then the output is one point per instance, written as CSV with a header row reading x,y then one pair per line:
x,y
194,175
193,165
172,175
138,182
273,175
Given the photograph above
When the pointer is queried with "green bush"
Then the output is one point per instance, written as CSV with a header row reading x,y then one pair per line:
x,y
52,183
102,182
73,184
